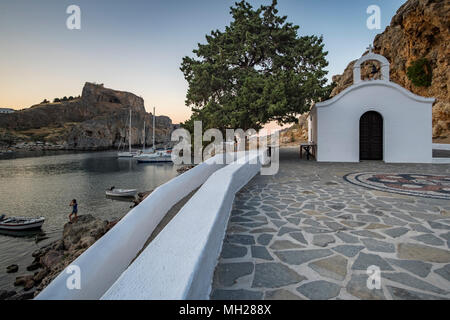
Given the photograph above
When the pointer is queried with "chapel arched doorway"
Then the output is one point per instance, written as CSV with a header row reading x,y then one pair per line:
x,y
371,136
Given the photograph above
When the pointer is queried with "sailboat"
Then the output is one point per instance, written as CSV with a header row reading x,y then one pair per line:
x,y
127,154
155,156
140,153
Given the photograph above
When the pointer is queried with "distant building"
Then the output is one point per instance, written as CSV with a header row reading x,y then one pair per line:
x,y
6,110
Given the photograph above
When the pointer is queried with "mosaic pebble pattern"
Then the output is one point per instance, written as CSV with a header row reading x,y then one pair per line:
x,y
420,185
306,233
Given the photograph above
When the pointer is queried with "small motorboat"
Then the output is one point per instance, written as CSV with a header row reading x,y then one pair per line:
x,y
20,223
114,192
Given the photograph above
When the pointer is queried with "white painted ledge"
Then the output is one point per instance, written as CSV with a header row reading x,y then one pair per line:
x,y
441,160
438,146
179,264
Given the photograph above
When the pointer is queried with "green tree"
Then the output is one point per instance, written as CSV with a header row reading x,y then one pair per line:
x,y
420,73
258,70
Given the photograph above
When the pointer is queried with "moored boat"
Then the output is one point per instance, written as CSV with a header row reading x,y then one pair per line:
x,y
21,223
158,156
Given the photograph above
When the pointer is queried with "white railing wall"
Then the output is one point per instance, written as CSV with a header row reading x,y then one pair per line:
x,y
440,146
103,263
180,262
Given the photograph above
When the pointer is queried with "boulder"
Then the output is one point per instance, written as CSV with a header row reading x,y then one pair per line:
x,y
51,258
34,266
22,280
29,284
39,276
12,268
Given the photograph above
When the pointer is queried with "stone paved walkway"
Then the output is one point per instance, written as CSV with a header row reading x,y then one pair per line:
x,y
308,234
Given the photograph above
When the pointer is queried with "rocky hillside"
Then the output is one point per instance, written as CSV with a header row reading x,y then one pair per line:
x,y
97,120
419,29
295,134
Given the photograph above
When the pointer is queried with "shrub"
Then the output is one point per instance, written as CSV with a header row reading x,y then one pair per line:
x,y
420,73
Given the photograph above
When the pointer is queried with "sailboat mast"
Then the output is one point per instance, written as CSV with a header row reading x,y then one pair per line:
x,y
154,123
143,148
129,138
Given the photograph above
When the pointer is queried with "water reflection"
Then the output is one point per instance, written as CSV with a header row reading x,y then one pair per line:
x,y
44,186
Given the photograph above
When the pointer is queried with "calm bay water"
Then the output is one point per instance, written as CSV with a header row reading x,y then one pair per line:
x,y
44,186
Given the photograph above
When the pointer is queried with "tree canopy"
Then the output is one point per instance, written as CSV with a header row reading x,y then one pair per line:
x,y
256,71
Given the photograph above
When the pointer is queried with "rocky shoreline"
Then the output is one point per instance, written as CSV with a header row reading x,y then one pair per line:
x,y
52,259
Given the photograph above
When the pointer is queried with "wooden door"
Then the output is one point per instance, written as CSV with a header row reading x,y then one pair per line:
x,y
371,136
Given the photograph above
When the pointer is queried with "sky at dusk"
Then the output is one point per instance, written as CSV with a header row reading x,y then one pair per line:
x,y
137,46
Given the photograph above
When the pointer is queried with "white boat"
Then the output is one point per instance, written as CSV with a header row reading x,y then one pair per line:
x,y
158,156
127,154
20,223
113,192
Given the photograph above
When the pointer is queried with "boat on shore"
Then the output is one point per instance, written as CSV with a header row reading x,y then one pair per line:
x,y
20,223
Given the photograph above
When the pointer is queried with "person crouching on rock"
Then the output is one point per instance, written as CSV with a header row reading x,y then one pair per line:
x,y
74,206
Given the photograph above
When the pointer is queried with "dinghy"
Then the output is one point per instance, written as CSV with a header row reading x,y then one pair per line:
x,y
113,192
20,223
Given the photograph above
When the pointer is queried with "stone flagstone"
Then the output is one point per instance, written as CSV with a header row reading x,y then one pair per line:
x,y
429,239
264,239
320,290
396,232
230,251
261,252
444,272
345,237
274,275
240,239
364,261
413,282
403,294
281,295
297,257
299,237
323,240
285,245
378,246
227,274
218,294
420,268
334,267
357,286
410,251
348,250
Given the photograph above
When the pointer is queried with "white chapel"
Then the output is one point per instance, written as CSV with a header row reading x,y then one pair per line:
x,y
373,120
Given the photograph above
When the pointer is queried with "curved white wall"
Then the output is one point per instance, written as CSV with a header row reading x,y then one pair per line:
x,y
105,261
180,262
407,123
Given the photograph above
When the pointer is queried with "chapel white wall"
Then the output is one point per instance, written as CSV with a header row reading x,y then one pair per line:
x,y
407,125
